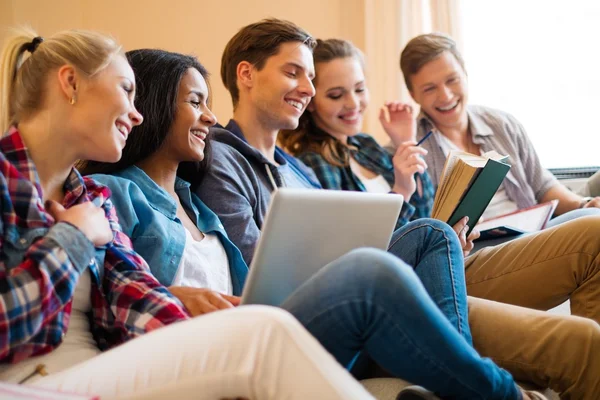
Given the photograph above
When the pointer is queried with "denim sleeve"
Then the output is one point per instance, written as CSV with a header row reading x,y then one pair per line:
x,y
138,302
35,292
78,247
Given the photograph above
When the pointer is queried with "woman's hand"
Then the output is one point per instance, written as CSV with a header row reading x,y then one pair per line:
x,y
203,301
407,162
401,126
88,218
466,243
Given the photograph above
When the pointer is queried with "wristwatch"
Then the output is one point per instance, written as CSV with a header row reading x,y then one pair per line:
x,y
585,200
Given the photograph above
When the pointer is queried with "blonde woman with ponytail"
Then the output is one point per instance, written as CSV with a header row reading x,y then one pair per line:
x,y
71,286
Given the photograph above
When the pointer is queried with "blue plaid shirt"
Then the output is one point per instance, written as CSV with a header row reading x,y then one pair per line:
x,y
368,153
41,261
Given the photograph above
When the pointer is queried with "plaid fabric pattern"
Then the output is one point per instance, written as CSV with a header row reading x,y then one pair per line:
x,y
368,153
36,290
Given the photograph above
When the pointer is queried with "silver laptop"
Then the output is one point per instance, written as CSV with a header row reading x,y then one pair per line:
x,y
306,229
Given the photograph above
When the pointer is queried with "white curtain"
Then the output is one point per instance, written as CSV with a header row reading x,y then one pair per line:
x,y
388,26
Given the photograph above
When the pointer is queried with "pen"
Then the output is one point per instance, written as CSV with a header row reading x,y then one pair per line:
x,y
424,138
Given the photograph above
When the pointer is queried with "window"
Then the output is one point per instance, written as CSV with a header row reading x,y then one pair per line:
x,y
539,60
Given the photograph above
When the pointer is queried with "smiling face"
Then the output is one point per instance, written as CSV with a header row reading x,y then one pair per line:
x,y
341,98
104,113
283,87
187,134
440,88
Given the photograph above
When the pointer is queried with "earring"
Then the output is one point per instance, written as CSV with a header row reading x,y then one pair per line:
x,y
73,100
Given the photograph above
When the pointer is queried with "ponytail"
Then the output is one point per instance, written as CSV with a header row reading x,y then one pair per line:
x,y
26,60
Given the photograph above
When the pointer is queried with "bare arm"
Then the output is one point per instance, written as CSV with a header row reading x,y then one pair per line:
x,y
567,200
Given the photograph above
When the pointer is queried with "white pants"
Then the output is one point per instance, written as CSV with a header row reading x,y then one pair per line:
x,y
254,352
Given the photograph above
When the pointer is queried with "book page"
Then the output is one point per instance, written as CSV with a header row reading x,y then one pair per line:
x,y
451,162
494,155
529,220
443,185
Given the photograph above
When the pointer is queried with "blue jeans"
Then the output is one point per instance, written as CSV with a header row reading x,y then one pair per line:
x,y
432,248
369,300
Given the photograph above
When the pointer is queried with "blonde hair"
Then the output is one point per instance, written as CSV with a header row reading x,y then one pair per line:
x,y
307,137
24,67
424,48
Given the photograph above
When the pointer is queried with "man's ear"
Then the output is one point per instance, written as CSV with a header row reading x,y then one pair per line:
x,y
245,74
68,80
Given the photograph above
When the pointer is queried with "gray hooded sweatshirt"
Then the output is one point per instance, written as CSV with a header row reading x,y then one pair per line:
x,y
239,183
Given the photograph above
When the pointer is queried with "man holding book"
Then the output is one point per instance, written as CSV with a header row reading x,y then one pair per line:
x,y
531,271
435,75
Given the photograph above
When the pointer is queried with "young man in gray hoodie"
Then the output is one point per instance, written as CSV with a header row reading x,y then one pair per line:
x,y
269,78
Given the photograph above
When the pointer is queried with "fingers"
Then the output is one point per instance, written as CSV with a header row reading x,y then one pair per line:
x,y
468,247
408,157
461,229
410,147
408,168
234,300
474,235
54,208
202,301
397,106
595,202
218,301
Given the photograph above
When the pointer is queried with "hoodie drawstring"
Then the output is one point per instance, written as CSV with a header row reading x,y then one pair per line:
x,y
271,178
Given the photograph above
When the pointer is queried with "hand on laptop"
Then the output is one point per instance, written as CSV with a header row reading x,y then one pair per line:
x,y
202,301
461,229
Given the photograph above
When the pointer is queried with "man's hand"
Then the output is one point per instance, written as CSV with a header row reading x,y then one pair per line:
x,y
593,203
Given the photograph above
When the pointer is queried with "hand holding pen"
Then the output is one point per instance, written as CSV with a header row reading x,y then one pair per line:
x,y
408,160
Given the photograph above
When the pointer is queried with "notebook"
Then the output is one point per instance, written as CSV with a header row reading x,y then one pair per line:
x,y
527,220
467,185
306,229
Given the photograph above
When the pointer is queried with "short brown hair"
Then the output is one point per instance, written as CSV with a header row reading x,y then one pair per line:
x,y
255,43
307,137
424,48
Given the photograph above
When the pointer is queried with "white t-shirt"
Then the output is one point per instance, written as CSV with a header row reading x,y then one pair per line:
x,y
500,203
78,344
372,185
204,264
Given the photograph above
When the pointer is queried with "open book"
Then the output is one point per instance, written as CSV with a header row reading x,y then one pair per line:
x,y
467,185
530,219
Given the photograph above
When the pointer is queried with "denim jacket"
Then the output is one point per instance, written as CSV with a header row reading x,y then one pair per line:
x,y
148,215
